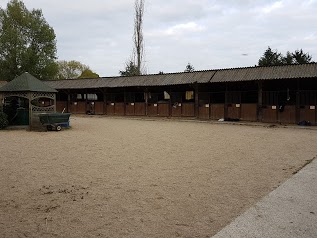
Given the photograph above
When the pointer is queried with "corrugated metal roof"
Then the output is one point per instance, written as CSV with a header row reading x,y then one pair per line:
x,y
135,81
77,83
266,73
162,79
208,76
26,83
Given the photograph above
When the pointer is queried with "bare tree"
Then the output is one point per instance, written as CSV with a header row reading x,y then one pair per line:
x,y
138,49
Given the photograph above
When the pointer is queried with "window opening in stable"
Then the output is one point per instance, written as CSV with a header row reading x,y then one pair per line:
x,y
204,98
92,97
129,97
270,98
111,97
153,97
176,97
166,96
119,97
189,95
287,97
139,97
163,97
249,97
308,98
218,98
233,97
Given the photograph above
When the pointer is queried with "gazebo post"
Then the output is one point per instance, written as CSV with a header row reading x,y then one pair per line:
x,y
30,110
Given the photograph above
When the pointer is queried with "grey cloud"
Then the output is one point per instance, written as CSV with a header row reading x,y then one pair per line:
x,y
207,33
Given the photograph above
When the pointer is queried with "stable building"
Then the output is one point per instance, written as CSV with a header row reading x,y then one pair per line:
x,y
276,94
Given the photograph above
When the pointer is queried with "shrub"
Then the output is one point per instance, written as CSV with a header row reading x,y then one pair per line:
x,y
3,120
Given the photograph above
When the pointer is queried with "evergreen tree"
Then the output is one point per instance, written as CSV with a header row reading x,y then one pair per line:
x,y
301,58
130,69
270,58
189,68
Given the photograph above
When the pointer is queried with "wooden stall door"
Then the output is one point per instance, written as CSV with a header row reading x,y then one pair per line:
x,y
60,105
177,110
249,112
129,109
152,109
269,114
110,109
119,109
188,109
308,113
139,109
234,111
288,115
81,107
73,107
217,111
204,111
163,109
99,108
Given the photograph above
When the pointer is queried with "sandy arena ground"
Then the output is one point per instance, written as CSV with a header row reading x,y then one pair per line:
x,y
112,177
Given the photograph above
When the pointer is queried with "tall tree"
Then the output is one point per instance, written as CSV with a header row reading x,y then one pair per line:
x,y
88,74
270,58
130,69
288,59
138,50
27,43
74,69
134,66
189,68
301,58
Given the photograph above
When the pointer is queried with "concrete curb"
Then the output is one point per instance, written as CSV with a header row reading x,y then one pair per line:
x,y
287,212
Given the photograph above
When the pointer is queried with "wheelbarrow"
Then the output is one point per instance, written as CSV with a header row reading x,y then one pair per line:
x,y
54,121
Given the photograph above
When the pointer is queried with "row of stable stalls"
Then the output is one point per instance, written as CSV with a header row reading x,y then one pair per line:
x,y
284,94
155,95
136,101
272,101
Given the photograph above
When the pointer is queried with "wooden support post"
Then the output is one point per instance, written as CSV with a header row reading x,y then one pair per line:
x,y
196,106
105,101
170,103
68,101
260,102
146,98
86,102
226,102
30,111
297,108
55,102
124,102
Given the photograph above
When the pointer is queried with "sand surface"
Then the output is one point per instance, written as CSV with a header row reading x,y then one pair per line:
x,y
112,177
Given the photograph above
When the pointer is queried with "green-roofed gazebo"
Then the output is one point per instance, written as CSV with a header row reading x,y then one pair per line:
x,y
25,97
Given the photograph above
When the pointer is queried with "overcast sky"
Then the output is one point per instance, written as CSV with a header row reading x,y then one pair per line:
x,y
210,34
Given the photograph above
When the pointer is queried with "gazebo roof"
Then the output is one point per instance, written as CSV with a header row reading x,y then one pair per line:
x,y
26,83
